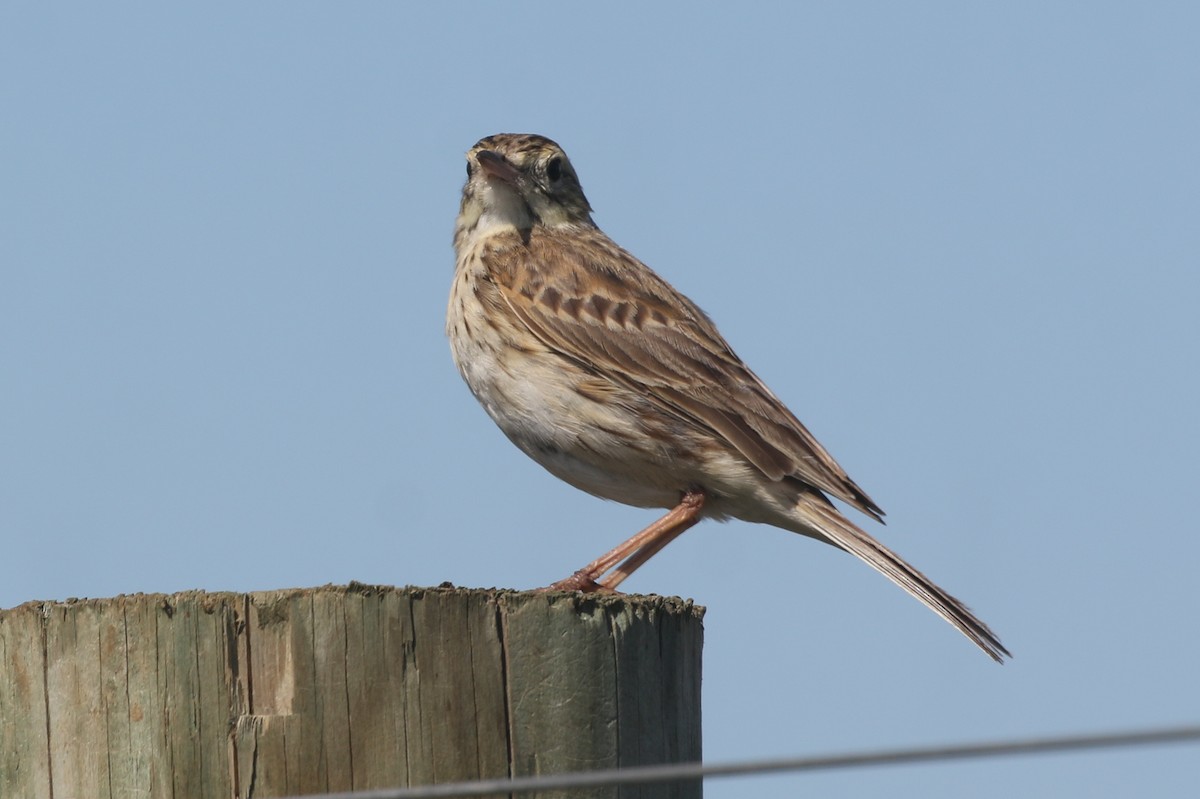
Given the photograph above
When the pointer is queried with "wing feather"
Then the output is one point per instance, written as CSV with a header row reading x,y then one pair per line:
x,y
593,302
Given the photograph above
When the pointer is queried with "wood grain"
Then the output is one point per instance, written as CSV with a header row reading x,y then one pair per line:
x,y
342,688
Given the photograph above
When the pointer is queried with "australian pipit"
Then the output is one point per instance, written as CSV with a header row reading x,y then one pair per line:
x,y
616,383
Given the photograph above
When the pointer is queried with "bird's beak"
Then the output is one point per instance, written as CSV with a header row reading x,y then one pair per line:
x,y
497,166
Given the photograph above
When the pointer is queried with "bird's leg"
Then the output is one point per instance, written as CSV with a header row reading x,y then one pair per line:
x,y
682,517
643,546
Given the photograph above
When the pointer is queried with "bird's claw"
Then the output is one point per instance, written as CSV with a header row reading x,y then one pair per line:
x,y
580,581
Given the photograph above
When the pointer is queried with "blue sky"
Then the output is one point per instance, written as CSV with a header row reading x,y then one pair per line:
x,y
961,242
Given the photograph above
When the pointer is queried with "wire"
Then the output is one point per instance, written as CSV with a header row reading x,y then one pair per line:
x,y
680,772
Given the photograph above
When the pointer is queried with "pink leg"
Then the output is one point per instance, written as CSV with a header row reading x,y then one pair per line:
x,y
643,546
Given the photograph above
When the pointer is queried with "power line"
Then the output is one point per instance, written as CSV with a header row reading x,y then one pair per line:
x,y
679,772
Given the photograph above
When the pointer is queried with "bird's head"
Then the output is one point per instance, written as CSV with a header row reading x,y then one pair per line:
x,y
521,180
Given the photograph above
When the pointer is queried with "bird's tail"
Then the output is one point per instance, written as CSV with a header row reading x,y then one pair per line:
x,y
817,513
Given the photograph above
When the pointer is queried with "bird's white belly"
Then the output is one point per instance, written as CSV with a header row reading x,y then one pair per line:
x,y
585,442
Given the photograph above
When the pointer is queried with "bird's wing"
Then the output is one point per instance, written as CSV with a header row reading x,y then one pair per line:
x,y
587,299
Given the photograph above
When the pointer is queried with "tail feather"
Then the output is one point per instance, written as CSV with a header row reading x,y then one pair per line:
x,y
841,532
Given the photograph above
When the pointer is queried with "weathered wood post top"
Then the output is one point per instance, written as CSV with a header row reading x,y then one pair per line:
x,y
342,688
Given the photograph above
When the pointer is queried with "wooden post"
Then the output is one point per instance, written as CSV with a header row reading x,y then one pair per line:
x,y
342,688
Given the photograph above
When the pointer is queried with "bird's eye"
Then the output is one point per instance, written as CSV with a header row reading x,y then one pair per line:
x,y
554,170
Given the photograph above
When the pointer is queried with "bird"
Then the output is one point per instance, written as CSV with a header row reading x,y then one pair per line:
x,y
616,383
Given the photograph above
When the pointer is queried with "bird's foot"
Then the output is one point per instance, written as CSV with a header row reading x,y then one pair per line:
x,y
580,581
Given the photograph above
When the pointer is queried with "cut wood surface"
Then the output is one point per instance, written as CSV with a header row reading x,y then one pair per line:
x,y
342,688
